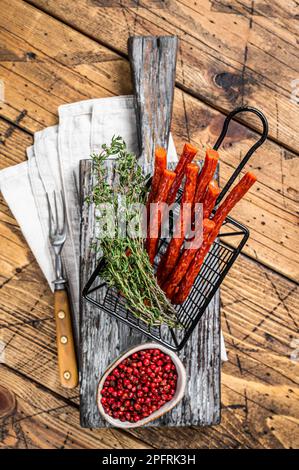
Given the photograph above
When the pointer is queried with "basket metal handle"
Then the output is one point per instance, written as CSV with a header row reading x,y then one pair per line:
x,y
250,151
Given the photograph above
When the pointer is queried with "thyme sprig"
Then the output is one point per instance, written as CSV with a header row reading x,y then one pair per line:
x,y
128,268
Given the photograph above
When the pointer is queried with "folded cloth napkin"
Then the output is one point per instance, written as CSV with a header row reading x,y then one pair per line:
x,y
53,164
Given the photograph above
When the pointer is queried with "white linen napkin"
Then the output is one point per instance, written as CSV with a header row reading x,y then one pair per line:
x,y
53,164
17,191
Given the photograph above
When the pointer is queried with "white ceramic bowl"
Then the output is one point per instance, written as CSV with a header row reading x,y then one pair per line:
x,y
180,389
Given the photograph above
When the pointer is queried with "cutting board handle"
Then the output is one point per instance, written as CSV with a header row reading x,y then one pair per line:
x,y
153,64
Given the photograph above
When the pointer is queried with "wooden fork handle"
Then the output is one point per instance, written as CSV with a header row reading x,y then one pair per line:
x,y
67,361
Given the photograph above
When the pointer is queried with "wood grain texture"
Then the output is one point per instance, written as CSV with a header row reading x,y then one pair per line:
x,y
7,402
35,87
153,64
270,210
231,53
103,339
260,323
43,420
259,307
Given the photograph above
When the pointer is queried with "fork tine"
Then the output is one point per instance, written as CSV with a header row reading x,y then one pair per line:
x,y
56,212
63,213
50,215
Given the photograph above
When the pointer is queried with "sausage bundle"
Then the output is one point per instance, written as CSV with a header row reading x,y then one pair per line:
x,y
183,259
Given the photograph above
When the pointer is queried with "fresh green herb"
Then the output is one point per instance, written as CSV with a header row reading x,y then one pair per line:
x,y
128,268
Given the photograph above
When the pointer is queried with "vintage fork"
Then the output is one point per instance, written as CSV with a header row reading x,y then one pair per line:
x,y
67,362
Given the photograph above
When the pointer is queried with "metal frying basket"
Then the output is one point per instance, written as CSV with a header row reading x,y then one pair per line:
x,y
217,263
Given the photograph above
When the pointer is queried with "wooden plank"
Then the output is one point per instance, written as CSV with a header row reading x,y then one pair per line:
x,y
250,419
43,76
43,420
258,336
153,64
13,143
279,10
103,338
260,390
270,206
247,280
8,402
235,416
270,210
228,56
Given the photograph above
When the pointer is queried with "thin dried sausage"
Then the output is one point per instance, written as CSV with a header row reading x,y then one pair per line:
x,y
156,216
206,174
209,199
172,283
234,196
187,156
160,166
172,254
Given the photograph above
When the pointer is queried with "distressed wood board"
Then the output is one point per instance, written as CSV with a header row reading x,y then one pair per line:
x,y
104,338
259,392
35,88
153,66
232,52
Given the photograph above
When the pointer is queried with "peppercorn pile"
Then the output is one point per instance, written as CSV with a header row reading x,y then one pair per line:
x,y
139,385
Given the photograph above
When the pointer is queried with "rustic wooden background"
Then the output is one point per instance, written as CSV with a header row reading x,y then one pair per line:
x,y
231,53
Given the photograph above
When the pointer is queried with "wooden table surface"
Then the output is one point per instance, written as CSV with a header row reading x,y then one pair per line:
x,y
231,53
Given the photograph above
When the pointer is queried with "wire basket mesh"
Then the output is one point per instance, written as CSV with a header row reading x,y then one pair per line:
x,y
223,253
215,267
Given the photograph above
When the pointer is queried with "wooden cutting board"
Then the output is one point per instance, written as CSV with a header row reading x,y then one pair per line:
x,y
102,337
